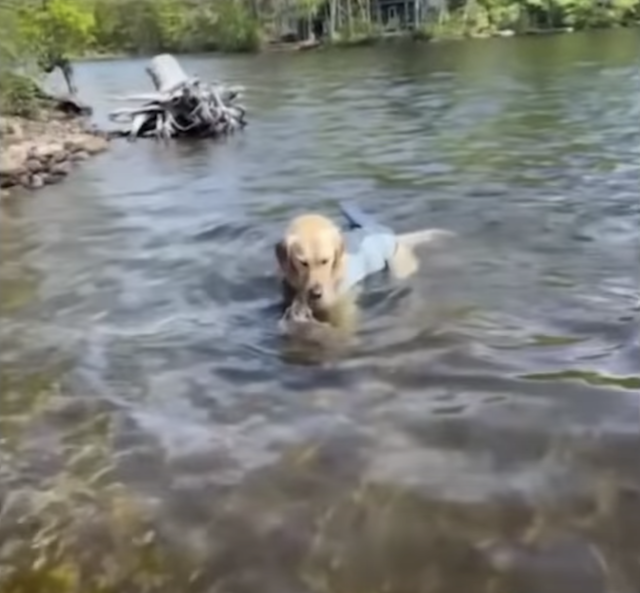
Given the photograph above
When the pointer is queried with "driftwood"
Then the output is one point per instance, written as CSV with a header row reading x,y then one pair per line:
x,y
181,106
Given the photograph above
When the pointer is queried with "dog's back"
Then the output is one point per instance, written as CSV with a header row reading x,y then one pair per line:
x,y
369,250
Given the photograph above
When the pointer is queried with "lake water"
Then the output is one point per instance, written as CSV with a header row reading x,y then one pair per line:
x,y
480,432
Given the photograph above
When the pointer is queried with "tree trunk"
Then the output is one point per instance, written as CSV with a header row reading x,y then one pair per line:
x,y
167,73
333,14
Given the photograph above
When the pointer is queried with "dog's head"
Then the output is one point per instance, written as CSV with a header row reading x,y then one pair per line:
x,y
311,257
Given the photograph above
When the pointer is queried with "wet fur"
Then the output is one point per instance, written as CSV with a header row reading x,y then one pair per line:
x,y
311,253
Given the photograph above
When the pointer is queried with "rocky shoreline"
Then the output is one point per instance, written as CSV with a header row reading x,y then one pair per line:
x,y
43,151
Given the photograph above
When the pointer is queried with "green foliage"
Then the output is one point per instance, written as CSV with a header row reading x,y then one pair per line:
x,y
597,14
50,30
11,43
478,17
19,95
148,26
234,27
129,27
56,29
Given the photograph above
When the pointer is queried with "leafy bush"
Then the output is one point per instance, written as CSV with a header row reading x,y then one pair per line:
x,y
19,95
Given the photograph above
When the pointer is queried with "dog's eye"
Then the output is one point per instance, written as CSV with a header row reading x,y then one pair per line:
x,y
304,263
324,262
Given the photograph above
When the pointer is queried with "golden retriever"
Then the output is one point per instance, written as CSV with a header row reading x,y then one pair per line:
x,y
312,257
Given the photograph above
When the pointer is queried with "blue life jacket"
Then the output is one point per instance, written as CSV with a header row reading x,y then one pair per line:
x,y
370,246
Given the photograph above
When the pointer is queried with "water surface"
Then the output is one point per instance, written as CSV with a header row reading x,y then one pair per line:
x,y
481,430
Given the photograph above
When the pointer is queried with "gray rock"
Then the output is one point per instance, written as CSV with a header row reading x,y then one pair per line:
x,y
60,168
12,162
95,144
81,155
34,165
24,180
34,154
52,178
48,150
87,143
72,145
37,181
60,156
11,129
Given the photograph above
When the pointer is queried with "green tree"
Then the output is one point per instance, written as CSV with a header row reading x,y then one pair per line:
x,y
18,92
55,30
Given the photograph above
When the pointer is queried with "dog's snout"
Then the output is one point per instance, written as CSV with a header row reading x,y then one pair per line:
x,y
315,292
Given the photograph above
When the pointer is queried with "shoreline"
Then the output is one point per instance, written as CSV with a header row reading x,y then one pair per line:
x,y
43,151
405,35
424,36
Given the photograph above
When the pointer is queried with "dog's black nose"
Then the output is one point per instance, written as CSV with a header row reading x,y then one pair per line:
x,y
315,292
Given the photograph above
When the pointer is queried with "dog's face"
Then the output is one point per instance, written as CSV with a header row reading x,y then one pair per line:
x,y
311,258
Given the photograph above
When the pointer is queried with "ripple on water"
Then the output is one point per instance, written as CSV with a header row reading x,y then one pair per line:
x,y
480,429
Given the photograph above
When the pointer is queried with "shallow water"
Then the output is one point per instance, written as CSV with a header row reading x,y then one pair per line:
x,y
479,432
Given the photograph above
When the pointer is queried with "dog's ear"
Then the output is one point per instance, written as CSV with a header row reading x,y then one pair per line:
x,y
282,255
338,257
